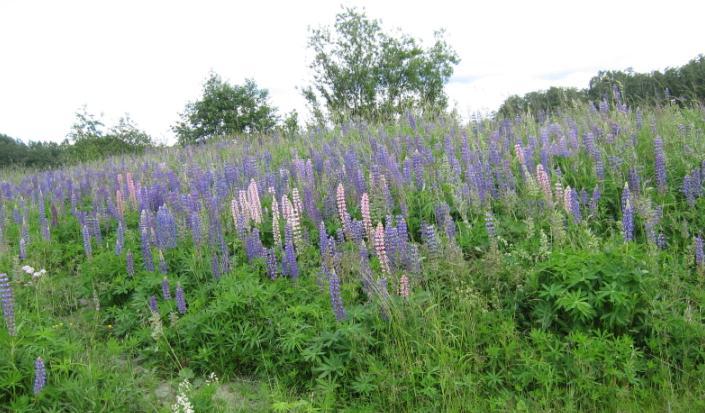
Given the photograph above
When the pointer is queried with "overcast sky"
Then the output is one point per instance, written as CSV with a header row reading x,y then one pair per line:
x,y
149,58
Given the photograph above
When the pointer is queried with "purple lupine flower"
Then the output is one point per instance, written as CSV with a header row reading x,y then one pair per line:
x,y
489,225
628,222
119,239
661,241
336,299
594,201
215,266
428,235
166,291
289,261
86,241
634,181
180,299
195,224
626,197
40,375
8,304
43,221
153,307
688,191
418,166
271,259
166,229
147,256
660,164
574,206
130,264
699,255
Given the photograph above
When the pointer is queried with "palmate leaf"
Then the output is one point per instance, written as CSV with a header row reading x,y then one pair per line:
x,y
576,304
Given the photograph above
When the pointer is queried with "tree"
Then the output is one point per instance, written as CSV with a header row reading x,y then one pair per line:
x,y
89,141
226,109
361,71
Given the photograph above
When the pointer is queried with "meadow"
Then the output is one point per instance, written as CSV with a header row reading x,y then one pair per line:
x,y
549,264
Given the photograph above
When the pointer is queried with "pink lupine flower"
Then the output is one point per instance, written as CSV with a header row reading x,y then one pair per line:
x,y
366,217
545,183
275,223
404,286
381,251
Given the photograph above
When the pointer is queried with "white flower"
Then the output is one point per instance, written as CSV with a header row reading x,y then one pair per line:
x,y
28,269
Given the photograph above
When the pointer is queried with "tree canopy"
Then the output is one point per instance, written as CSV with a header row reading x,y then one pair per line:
x,y
226,109
359,70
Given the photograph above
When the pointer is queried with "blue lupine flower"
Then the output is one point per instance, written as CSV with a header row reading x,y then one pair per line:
x,y
336,299
119,239
40,375
166,291
8,304
86,241
180,299
130,264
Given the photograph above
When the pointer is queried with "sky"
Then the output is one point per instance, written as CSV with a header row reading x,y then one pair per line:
x,y
148,59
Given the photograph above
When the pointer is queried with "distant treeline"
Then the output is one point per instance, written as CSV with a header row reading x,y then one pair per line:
x,y
683,85
86,141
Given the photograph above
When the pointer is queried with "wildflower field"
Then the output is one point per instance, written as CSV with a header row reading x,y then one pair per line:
x,y
423,266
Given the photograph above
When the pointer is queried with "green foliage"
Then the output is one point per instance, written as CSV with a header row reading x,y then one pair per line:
x,y
607,290
226,109
684,85
364,72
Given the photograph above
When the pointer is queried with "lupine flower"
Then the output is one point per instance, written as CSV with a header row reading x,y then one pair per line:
x,y
153,304
428,235
380,249
254,202
660,164
86,241
545,184
296,201
489,225
130,264
276,231
336,299
195,224
634,181
290,267
180,299
404,286
215,266
166,291
573,205
8,304
594,200
366,217
559,192
120,201
271,259
519,151
40,375
166,229
119,239
146,250
628,222
699,255
342,209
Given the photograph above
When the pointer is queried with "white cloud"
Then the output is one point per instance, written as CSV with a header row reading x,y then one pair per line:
x,y
149,58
